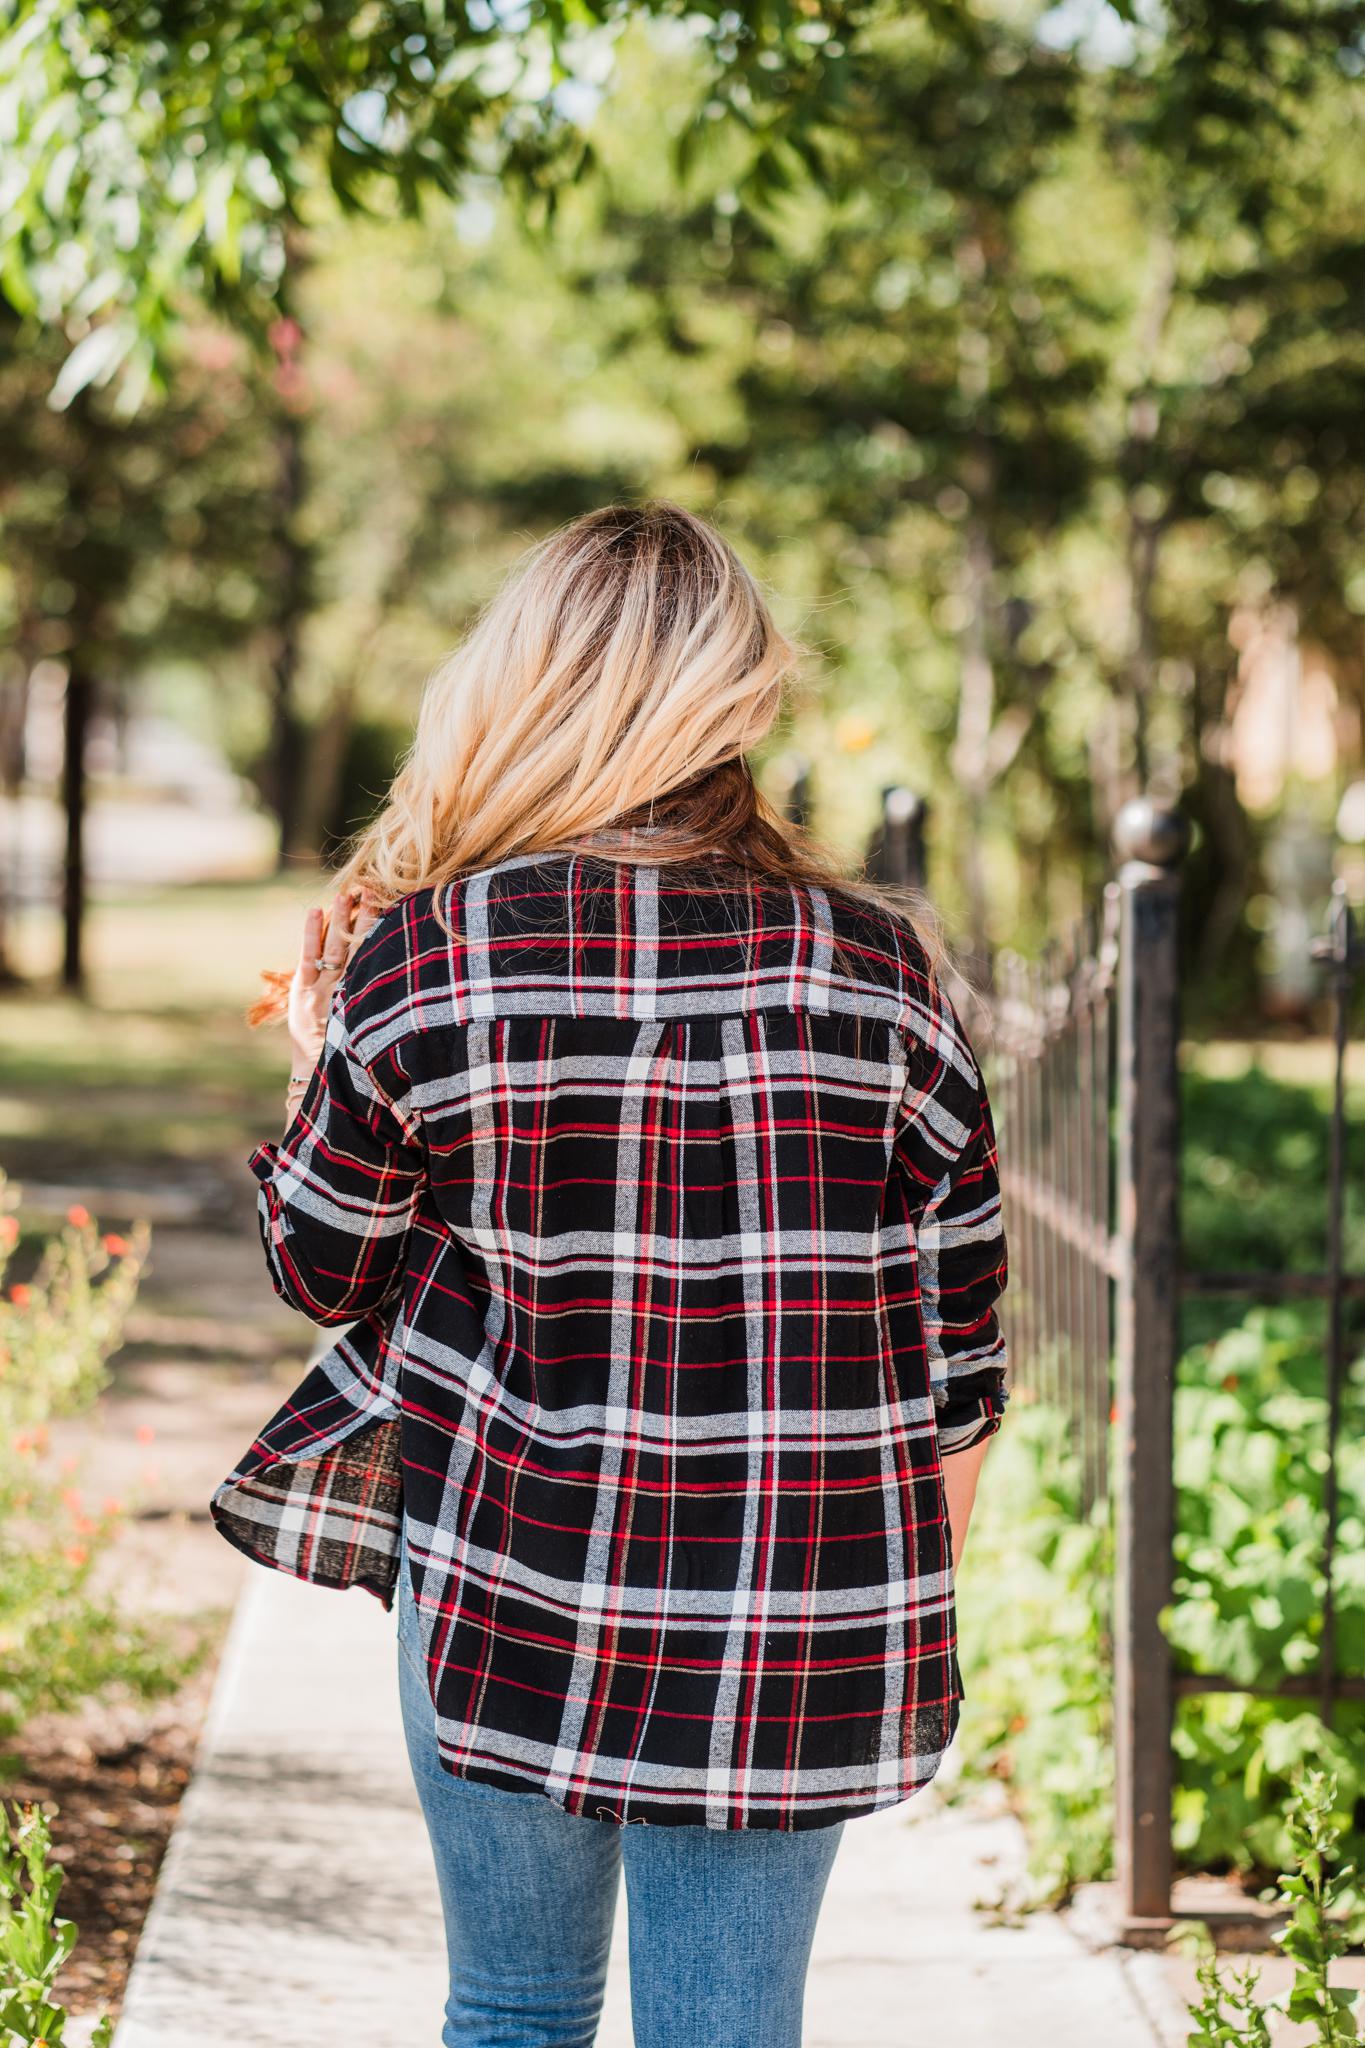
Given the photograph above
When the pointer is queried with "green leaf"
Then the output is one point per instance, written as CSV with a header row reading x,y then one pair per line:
x,y
93,360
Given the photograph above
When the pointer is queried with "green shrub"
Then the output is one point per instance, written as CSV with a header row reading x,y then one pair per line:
x,y
1250,1436
34,1942
1313,1892
1253,1182
1250,1462
1034,1620
60,1639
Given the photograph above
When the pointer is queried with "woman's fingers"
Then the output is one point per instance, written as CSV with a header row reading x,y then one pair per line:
x,y
329,938
341,932
310,948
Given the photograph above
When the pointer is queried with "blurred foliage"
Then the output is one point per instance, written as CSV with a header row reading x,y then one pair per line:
x,y
1250,1460
1250,1430
1035,1616
1019,347
1253,1190
158,149
1033,1620
62,1638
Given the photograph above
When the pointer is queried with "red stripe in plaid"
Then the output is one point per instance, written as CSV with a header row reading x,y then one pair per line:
x,y
670,1217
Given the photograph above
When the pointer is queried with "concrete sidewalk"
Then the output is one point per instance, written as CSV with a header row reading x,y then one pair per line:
x,y
297,1907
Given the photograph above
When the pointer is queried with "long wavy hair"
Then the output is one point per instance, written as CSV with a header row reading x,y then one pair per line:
x,y
615,682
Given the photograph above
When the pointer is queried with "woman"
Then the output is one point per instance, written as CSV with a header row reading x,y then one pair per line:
x,y
653,1175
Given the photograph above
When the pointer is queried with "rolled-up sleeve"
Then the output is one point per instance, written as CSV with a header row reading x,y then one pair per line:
x,y
339,1192
960,1243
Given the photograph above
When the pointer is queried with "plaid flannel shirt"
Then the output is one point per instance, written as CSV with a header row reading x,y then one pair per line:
x,y
665,1222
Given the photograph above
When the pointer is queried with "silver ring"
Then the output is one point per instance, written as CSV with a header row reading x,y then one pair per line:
x,y
320,963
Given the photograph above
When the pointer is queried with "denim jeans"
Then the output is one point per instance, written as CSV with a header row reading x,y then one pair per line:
x,y
721,1923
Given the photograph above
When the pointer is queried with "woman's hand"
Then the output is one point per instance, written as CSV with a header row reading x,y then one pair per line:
x,y
328,942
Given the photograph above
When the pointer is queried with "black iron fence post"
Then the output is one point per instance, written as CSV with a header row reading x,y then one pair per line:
x,y
1149,840
1342,952
896,854
794,791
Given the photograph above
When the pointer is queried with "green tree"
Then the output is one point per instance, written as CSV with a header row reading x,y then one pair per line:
x,y
156,149
121,537
160,156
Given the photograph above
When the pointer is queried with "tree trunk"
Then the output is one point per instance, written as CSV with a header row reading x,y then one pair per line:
x,y
975,721
1145,505
14,691
976,702
320,776
291,585
80,696
1143,549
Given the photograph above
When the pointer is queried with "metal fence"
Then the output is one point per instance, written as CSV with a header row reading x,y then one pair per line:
x,y
1084,1049
1052,1058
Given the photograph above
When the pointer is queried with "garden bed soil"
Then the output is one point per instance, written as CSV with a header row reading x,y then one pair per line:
x,y
112,1780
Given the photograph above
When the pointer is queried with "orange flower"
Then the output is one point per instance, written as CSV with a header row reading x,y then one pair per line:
x,y
9,1230
116,1246
145,1433
73,1499
78,1215
76,1553
23,1445
20,1295
114,1506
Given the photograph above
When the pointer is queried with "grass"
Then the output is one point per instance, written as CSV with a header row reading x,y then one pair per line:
x,y
1256,1130
158,1062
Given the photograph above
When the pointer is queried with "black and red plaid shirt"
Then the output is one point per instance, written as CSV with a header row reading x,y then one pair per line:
x,y
666,1220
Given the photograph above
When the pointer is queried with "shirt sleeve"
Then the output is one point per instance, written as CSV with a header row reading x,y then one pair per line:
x,y
341,1189
948,1145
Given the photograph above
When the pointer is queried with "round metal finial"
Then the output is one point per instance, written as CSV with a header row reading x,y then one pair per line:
x,y
1152,832
900,805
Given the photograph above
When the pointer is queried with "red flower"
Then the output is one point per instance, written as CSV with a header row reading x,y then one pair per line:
x,y
78,1215
20,1295
116,1246
284,337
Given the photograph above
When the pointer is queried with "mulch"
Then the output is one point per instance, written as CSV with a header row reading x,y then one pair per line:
x,y
111,1780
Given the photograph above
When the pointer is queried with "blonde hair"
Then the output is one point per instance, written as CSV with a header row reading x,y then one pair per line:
x,y
617,679
627,654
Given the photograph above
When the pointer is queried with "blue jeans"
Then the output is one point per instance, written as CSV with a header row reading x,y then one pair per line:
x,y
721,1923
